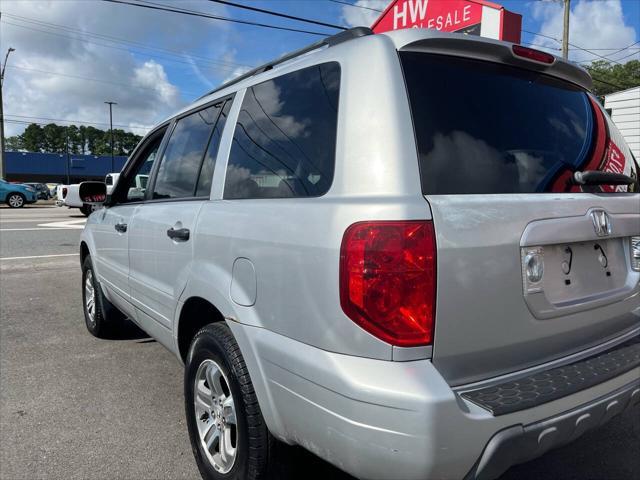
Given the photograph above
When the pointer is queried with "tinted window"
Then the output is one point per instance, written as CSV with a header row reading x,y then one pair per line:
x,y
178,173
488,128
284,141
209,162
136,182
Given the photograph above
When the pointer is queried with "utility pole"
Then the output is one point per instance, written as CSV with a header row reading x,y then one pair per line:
x,y
111,104
66,131
565,30
4,65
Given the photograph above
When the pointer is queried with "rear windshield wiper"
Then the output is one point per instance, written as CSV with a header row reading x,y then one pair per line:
x,y
597,177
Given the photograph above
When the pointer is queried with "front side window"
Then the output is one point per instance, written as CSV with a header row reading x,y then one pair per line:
x,y
136,182
177,175
285,138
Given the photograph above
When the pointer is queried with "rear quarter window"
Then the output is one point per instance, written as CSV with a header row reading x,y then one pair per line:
x,y
285,137
484,128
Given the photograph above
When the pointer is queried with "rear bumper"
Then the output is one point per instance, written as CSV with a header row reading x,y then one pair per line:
x,y
386,420
518,444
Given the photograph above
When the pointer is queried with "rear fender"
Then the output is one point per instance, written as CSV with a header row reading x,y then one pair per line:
x,y
212,283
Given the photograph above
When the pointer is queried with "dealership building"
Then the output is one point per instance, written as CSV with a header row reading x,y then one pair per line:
x,y
58,168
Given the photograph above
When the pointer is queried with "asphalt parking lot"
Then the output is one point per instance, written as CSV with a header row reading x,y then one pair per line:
x,y
75,407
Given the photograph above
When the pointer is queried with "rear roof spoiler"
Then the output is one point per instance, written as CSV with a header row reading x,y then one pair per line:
x,y
485,49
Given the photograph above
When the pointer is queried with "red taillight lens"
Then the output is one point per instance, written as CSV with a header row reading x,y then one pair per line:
x,y
64,193
388,280
531,54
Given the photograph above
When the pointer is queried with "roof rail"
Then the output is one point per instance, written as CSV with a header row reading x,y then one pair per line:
x,y
336,39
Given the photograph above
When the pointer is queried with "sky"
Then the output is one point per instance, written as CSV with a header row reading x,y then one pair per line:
x,y
73,55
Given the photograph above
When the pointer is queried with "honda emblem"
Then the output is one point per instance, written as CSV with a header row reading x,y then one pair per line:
x,y
601,223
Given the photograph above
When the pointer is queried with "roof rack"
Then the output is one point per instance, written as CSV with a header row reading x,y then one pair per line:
x,y
336,39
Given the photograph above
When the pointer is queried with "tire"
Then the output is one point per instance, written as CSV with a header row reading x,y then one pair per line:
x,y
101,317
214,353
16,200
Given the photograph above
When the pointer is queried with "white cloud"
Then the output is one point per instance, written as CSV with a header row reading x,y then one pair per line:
x,y
136,80
151,76
592,24
363,17
236,72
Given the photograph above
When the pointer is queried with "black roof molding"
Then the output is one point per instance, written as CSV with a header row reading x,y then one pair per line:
x,y
331,41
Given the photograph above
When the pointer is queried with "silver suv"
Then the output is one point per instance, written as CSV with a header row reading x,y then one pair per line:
x,y
415,254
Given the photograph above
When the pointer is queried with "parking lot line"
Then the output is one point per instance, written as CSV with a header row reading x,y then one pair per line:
x,y
36,228
40,256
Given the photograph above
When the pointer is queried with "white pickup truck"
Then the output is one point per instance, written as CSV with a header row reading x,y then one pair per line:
x,y
67,195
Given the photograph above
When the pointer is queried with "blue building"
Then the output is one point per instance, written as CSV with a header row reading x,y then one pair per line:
x,y
58,167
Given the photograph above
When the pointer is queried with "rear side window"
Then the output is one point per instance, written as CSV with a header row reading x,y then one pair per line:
x,y
485,128
177,175
209,162
284,141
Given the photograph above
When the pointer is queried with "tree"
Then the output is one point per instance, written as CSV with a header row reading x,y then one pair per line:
x,y
14,144
96,141
73,134
33,138
53,138
609,77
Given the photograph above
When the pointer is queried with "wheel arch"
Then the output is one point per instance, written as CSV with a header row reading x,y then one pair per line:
x,y
196,312
84,251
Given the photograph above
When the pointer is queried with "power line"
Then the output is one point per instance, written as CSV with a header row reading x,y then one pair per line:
x,y
114,39
89,79
356,6
128,50
627,56
578,47
278,14
154,6
606,83
27,121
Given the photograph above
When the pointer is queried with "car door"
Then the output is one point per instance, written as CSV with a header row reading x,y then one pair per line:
x,y
111,237
161,233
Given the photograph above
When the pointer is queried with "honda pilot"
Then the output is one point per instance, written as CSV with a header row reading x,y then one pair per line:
x,y
415,254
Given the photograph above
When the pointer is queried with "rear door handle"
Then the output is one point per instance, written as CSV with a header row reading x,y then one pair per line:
x,y
179,234
121,227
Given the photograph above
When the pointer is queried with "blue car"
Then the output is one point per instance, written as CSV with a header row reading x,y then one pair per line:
x,y
16,195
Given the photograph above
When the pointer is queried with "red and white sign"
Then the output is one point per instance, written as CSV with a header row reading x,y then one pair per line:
x,y
473,17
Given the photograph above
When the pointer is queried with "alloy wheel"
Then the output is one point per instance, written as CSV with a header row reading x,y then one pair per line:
x,y
90,297
215,416
16,201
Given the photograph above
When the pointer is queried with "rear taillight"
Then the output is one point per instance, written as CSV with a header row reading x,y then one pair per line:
x,y
532,54
388,280
64,193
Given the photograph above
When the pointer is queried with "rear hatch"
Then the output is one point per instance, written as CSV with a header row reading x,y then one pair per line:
x,y
531,267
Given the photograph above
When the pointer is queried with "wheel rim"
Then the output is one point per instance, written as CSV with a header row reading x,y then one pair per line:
x,y
15,201
215,416
90,297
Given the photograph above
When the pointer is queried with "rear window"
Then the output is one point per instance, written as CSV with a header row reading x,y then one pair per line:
x,y
485,128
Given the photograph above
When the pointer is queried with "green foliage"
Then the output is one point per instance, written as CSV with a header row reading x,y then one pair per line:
x,y
54,138
612,77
